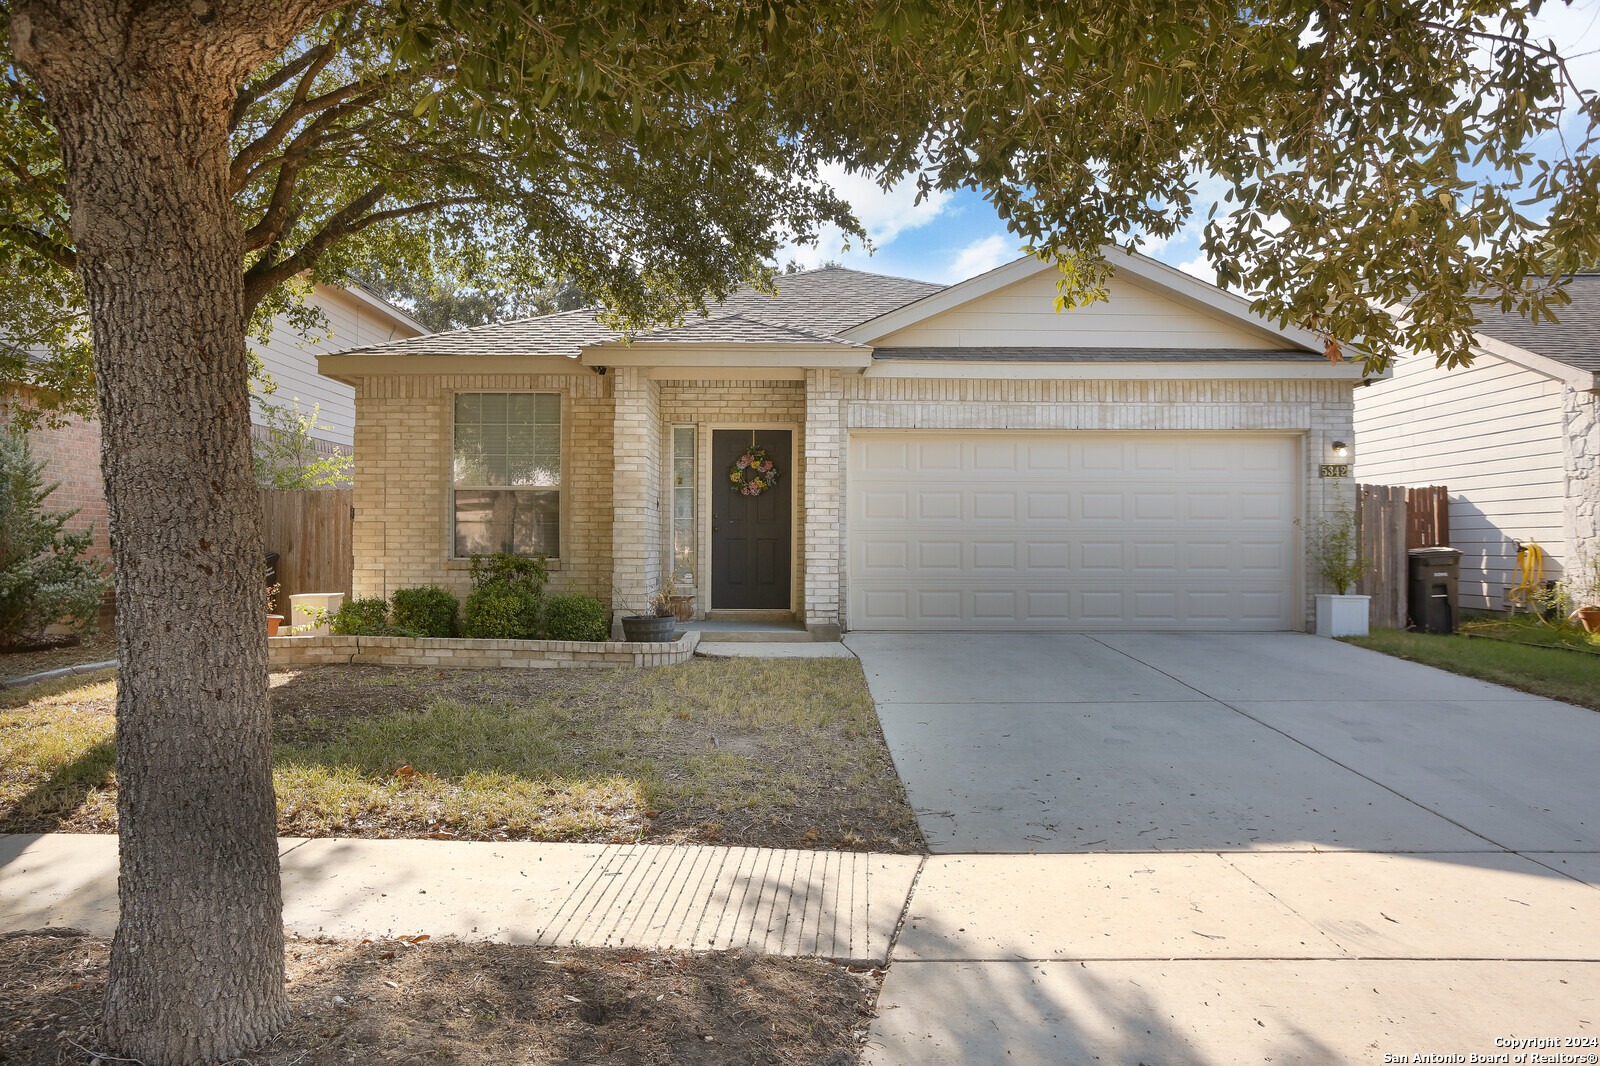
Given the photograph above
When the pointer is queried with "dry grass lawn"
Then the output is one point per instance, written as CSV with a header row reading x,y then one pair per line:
x,y
392,1001
777,753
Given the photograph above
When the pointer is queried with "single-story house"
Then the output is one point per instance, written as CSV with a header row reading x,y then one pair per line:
x,y
946,457
1515,438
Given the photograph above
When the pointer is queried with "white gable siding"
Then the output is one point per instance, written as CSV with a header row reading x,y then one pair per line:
x,y
1023,314
292,359
1492,434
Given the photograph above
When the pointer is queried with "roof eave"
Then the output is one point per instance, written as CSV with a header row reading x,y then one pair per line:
x,y
727,354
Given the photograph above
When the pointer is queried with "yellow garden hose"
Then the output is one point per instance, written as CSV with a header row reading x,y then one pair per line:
x,y
1530,567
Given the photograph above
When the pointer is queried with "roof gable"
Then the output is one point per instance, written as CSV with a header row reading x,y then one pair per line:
x,y
1150,305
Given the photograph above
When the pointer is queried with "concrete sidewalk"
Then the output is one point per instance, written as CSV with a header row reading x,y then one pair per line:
x,y
829,904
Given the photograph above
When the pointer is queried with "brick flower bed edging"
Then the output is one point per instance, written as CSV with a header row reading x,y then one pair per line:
x,y
461,652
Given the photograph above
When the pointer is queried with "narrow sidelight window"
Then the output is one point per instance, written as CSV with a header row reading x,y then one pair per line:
x,y
506,488
683,505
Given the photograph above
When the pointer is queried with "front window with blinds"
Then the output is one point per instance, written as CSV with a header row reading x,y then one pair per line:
x,y
507,479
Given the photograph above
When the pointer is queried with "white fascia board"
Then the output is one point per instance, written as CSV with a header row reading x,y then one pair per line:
x,y
1130,371
670,354
347,367
383,307
1175,283
1583,380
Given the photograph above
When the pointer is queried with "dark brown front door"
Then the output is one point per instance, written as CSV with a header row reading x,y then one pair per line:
x,y
750,534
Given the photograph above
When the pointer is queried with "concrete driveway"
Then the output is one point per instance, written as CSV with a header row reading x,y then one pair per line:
x,y
1212,848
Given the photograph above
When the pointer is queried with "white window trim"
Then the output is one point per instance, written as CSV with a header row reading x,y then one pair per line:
x,y
462,562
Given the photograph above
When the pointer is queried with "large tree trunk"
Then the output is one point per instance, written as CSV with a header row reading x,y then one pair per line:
x,y
197,965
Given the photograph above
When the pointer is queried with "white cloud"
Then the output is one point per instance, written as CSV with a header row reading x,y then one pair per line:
x,y
883,213
1200,267
980,256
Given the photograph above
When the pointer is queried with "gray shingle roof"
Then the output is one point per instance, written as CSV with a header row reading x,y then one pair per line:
x,y
811,307
739,328
1100,355
1574,340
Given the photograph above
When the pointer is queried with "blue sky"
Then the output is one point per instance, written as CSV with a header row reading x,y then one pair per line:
x,y
950,237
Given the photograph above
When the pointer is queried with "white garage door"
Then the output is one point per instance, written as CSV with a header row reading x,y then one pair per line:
x,y
996,530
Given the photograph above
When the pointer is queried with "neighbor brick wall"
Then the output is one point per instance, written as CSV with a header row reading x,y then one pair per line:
x,y
403,471
72,457
1322,411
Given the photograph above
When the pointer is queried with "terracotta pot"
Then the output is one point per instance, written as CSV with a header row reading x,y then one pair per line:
x,y
682,607
1589,618
273,622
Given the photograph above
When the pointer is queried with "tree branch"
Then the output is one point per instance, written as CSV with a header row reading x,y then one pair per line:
x,y
63,257
267,275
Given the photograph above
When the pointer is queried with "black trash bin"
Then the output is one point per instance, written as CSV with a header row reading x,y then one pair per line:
x,y
1435,578
272,580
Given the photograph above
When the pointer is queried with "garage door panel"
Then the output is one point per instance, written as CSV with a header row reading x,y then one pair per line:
x,y
1011,530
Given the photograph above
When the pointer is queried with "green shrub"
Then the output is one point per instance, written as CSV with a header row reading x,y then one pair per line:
x,y
43,578
389,629
498,611
359,618
504,569
575,617
430,610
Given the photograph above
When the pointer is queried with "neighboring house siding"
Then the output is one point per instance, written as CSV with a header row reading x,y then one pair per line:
x,y
1023,315
292,359
1493,434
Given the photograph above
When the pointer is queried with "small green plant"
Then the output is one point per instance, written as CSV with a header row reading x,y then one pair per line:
x,y
359,618
500,611
1334,545
575,616
286,457
430,610
44,578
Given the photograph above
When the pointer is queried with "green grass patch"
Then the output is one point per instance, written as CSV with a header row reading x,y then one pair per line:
x,y
769,752
1530,629
1570,676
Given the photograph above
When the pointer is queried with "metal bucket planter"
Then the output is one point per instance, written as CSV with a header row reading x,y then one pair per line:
x,y
649,628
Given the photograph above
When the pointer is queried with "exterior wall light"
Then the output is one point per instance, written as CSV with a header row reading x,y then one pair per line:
x,y
1340,448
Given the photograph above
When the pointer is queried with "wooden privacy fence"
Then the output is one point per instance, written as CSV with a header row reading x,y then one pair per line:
x,y
311,532
1428,517
1393,520
1381,512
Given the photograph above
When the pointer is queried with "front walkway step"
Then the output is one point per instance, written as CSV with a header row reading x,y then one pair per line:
x,y
829,904
748,631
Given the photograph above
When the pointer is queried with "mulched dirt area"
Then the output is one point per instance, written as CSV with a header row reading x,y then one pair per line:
x,y
57,652
392,1001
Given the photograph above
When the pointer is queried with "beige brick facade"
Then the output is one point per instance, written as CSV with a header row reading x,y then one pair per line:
x,y
616,458
402,535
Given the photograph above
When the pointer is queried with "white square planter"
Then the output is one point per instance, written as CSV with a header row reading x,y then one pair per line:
x,y
299,615
1342,616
